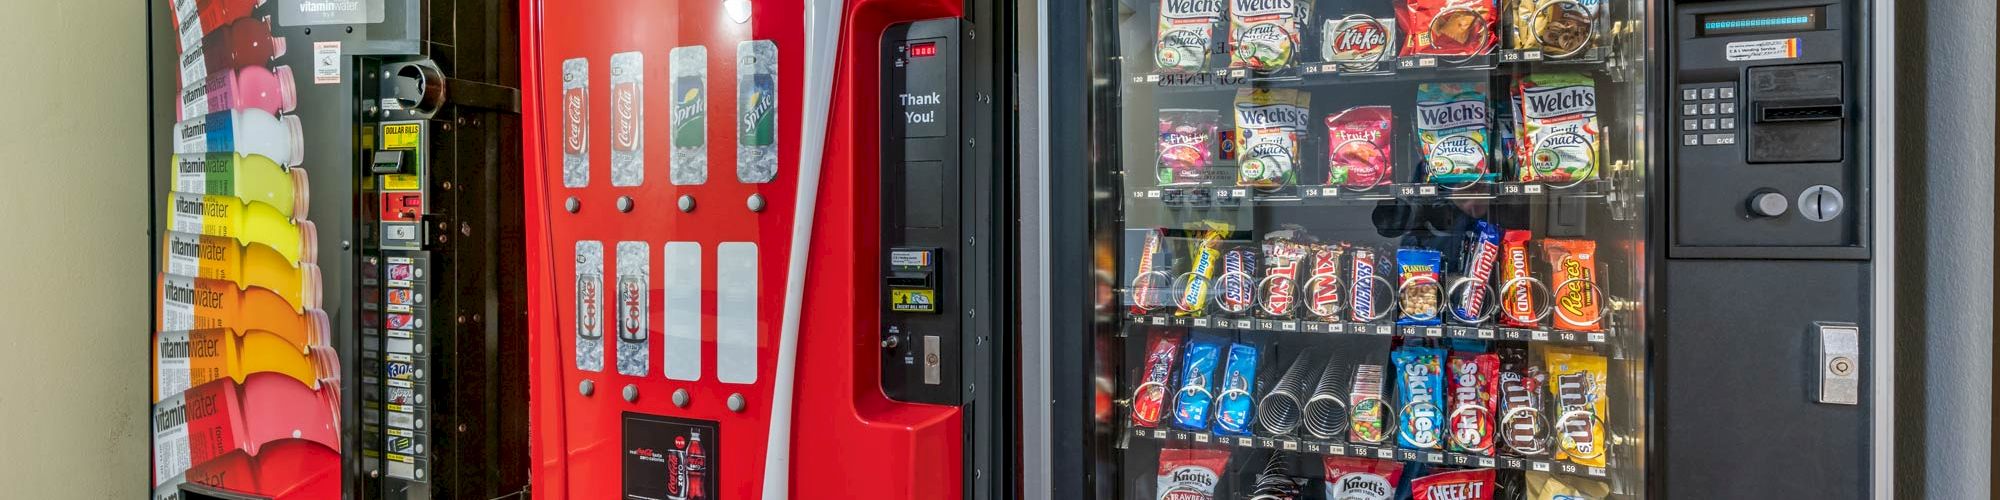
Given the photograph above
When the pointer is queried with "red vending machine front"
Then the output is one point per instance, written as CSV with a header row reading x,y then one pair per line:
x,y
703,189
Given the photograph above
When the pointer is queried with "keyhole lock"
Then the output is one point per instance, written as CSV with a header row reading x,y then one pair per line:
x,y
1821,203
1841,366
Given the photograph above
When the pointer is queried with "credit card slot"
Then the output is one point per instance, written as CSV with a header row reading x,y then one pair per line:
x,y
1775,114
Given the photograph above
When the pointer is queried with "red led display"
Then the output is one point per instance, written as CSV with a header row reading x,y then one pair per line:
x,y
923,49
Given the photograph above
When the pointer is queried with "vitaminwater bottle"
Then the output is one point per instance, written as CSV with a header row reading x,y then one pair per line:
x,y
188,358
189,303
244,131
254,87
229,217
253,179
251,266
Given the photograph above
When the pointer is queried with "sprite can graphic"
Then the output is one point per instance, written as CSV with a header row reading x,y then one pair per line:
x,y
756,111
628,119
688,67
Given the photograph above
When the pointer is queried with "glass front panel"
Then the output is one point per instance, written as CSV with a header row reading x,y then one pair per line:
x,y
1374,248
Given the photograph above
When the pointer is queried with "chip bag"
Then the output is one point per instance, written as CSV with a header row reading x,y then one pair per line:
x,y
1475,484
1354,478
1577,381
1187,34
1546,486
1419,389
1162,351
1558,116
1557,28
1359,153
1187,145
1574,266
1453,131
1448,27
1269,125
1190,474
1420,295
1264,34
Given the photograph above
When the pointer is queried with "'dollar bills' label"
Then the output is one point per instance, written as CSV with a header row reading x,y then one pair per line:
x,y
1187,31
756,111
688,68
590,306
1559,121
576,122
628,119
1452,123
630,306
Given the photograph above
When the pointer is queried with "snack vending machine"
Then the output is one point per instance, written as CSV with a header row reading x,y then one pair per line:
x,y
1469,249
767,249
338,281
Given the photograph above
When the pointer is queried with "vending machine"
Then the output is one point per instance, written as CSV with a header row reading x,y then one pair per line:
x,y
768,248
1467,249
339,278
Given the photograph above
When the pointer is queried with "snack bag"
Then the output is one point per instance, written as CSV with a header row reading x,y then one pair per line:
x,y
1476,484
1420,295
1481,253
1366,415
1264,34
1558,28
1162,350
1577,380
1277,292
1234,404
1362,272
1237,286
1322,288
1546,486
1574,266
1204,251
1269,125
1353,478
1523,423
1474,382
1187,33
1194,398
1187,145
1452,130
1190,474
1517,293
1419,387
1153,274
1448,27
1558,115
1359,147
1358,43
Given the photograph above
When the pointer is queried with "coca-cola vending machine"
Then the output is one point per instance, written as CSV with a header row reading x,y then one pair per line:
x,y
766,248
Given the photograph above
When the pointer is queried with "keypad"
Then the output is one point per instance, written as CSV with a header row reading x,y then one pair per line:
x,y
1708,114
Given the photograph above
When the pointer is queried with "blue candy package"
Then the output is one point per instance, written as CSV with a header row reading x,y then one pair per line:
x,y
1482,254
1421,296
1419,385
1197,390
1233,406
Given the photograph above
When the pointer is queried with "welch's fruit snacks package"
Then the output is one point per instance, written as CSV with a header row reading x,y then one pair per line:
x,y
1453,131
1359,152
1187,34
1190,474
1264,34
1269,126
1558,120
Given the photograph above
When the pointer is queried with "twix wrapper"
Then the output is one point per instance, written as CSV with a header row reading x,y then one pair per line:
x,y
1517,301
1162,350
1205,255
1322,288
1277,292
1574,264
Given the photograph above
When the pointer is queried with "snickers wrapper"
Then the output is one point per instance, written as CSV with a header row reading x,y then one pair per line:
x,y
1361,276
1237,282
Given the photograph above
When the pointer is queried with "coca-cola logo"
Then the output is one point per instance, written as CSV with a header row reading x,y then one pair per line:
x,y
573,117
627,109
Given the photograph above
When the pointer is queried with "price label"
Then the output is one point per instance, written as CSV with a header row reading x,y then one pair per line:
x,y
1291,446
1201,438
1485,333
1433,332
1201,322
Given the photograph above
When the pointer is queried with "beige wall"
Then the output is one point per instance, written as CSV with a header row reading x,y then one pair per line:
x,y
74,250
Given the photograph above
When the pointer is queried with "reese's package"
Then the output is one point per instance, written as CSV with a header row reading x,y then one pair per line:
x,y
1448,27
1475,484
1190,474
1162,351
1234,404
1573,269
1359,147
1558,28
1355,478
1419,389
1264,34
1194,399
1558,119
1187,34
1577,381
1420,296
1269,126
1453,132
1205,255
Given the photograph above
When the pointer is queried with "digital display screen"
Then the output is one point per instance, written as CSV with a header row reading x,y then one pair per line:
x,y
923,49
1763,21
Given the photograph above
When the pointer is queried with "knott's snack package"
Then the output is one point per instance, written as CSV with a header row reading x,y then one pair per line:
x,y
1558,28
1419,389
1517,294
1449,27
1234,405
1358,43
1359,147
1454,133
1206,255
1354,478
1558,117
1421,295
1189,474
1523,419
1321,289
1474,382
1187,145
1481,253
1476,484
1574,269
1269,126
1162,351
1187,34
1546,486
1577,380
1277,291
1264,34
1195,397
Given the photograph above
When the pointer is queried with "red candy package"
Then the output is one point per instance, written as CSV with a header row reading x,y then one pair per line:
x,y
1474,379
1151,395
1476,484
1186,146
1358,147
1353,478
1448,27
1187,474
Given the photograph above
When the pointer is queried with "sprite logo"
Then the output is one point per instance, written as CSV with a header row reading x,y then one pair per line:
x,y
690,113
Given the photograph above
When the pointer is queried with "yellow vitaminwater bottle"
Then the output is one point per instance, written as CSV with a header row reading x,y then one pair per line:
x,y
251,178
229,217
248,266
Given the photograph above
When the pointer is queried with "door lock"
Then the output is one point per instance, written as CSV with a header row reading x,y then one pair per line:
x,y
1839,346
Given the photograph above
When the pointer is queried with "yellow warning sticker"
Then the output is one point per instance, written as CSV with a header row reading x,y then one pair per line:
x,y
401,135
401,182
912,300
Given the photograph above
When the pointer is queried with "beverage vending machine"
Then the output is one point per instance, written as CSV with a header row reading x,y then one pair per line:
x,y
1468,249
338,280
768,248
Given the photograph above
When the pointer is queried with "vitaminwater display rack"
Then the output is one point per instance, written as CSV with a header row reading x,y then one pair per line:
x,y
1385,328
1340,448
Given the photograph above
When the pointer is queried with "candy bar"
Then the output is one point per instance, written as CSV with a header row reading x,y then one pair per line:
x,y
1233,405
1162,350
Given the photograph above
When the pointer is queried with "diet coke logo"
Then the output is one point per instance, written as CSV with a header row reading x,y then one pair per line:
x,y
632,309
587,305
